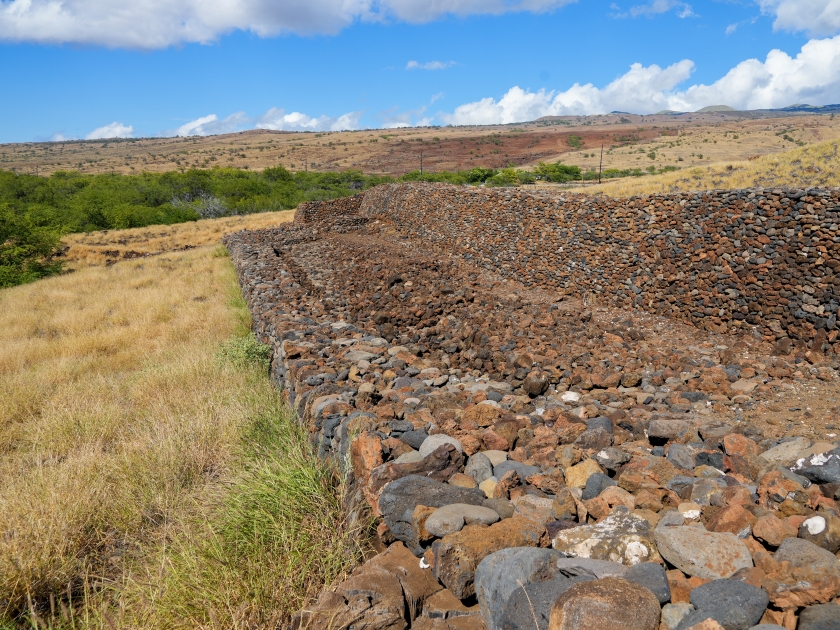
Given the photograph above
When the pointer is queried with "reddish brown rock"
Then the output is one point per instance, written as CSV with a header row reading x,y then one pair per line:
x,y
733,519
606,604
772,530
457,555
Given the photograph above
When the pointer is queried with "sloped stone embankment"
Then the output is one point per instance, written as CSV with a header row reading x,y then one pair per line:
x,y
538,460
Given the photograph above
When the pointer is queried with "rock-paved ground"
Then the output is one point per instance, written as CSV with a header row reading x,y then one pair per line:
x,y
536,461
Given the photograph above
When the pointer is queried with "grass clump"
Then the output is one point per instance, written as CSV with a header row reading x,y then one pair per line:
x,y
245,351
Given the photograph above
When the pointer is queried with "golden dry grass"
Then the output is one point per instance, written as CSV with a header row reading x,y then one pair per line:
x,y
816,165
107,247
124,447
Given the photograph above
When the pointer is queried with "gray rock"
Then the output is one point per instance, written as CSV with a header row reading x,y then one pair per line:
x,y
652,576
680,456
767,626
452,518
787,452
620,537
503,507
479,467
571,567
707,492
822,468
734,604
431,443
679,482
673,614
595,485
400,497
595,439
600,423
409,458
501,573
495,457
803,553
820,617
523,470
530,607
414,438
695,551
612,458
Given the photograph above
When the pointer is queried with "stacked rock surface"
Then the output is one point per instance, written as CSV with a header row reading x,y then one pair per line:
x,y
542,448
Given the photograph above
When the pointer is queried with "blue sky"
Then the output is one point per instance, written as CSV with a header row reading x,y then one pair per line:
x,y
97,68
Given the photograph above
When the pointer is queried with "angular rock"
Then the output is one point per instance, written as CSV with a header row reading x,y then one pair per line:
x,y
621,537
772,530
479,467
821,468
696,552
608,603
787,452
652,576
735,605
433,442
673,614
399,498
372,598
577,475
457,555
501,573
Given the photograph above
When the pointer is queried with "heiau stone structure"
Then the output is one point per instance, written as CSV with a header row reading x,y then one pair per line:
x,y
538,396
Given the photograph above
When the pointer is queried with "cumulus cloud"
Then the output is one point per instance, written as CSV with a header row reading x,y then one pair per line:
x,y
278,119
429,65
275,119
817,17
114,130
211,125
813,77
150,24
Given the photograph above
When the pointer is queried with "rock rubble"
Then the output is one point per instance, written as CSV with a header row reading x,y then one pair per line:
x,y
542,448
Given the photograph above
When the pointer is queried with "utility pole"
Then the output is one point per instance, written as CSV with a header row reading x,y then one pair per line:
x,y
421,162
601,165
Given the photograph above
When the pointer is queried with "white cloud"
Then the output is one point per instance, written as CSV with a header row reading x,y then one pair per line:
x,y
152,24
656,7
211,125
813,77
114,130
60,137
429,65
817,17
278,119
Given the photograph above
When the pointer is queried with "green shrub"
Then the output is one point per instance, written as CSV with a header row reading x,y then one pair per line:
x,y
245,352
26,250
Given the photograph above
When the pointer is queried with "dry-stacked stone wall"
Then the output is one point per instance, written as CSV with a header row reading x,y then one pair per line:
x,y
538,461
723,259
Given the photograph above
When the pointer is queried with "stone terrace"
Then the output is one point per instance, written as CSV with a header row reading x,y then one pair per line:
x,y
541,445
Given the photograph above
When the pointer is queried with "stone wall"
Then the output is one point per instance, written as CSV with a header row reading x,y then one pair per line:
x,y
720,259
529,457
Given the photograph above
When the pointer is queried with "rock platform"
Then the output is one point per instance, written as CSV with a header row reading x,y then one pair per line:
x,y
572,434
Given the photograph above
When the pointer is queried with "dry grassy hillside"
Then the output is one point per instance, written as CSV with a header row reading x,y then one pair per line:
x,y
684,141
108,247
149,474
816,165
